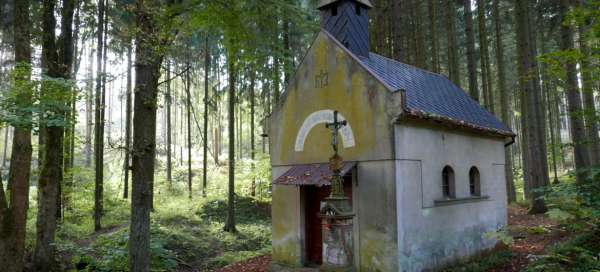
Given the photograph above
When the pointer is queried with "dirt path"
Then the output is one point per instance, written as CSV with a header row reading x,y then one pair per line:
x,y
533,235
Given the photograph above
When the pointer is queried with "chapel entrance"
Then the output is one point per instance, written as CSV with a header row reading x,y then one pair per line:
x,y
313,195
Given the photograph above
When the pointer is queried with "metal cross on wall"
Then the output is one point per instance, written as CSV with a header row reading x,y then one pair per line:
x,y
335,127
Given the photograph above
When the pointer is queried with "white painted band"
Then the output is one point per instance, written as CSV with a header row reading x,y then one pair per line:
x,y
323,117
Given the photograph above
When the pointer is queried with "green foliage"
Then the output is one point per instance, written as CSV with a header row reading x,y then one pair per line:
x,y
501,235
16,101
484,263
27,102
581,254
109,252
558,214
570,201
537,230
184,232
577,204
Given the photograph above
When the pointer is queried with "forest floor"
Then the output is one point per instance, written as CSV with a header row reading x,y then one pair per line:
x,y
533,235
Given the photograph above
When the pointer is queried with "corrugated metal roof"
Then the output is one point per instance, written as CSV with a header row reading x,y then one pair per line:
x,y
311,174
432,94
323,3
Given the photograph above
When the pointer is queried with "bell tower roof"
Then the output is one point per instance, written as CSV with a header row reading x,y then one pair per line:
x,y
347,21
323,3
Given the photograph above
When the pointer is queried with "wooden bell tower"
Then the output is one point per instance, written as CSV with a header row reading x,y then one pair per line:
x,y
348,22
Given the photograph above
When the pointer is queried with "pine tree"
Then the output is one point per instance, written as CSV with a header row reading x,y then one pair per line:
x,y
581,154
58,59
14,206
99,113
471,58
435,54
453,65
535,164
504,101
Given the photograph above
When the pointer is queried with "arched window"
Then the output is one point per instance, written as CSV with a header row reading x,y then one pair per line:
x,y
448,182
474,182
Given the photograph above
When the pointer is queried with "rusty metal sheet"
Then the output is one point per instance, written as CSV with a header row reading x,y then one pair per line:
x,y
311,174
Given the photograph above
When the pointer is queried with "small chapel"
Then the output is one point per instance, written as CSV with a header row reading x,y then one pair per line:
x,y
378,165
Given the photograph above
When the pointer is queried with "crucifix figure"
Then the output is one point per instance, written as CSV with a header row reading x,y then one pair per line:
x,y
336,162
335,127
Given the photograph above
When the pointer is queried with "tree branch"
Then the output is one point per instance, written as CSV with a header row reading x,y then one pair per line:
x,y
176,75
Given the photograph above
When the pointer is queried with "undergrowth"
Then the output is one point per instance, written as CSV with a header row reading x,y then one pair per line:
x,y
185,233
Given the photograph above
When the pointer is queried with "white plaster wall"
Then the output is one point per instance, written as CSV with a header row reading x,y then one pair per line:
x,y
430,236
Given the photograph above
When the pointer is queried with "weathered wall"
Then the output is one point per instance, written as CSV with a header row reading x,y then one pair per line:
x,y
330,79
375,227
431,235
287,223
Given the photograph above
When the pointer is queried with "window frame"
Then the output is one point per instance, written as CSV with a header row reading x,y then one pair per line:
x,y
448,183
474,181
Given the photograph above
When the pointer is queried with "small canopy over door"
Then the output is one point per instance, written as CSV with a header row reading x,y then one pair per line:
x,y
317,174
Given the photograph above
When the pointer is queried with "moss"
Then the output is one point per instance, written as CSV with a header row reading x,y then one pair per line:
x,y
482,263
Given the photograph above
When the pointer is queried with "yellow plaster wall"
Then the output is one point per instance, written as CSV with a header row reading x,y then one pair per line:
x,y
367,105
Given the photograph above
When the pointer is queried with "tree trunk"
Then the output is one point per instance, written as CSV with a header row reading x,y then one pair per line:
x,y
534,156
591,116
581,155
397,19
276,79
230,224
252,145
169,100
99,121
148,60
419,35
504,101
206,105
89,108
471,58
5,146
188,82
485,58
287,68
435,54
552,139
51,175
71,116
128,117
453,65
13,215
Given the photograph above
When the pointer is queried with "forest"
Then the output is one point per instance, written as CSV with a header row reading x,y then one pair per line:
x,y
134,134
